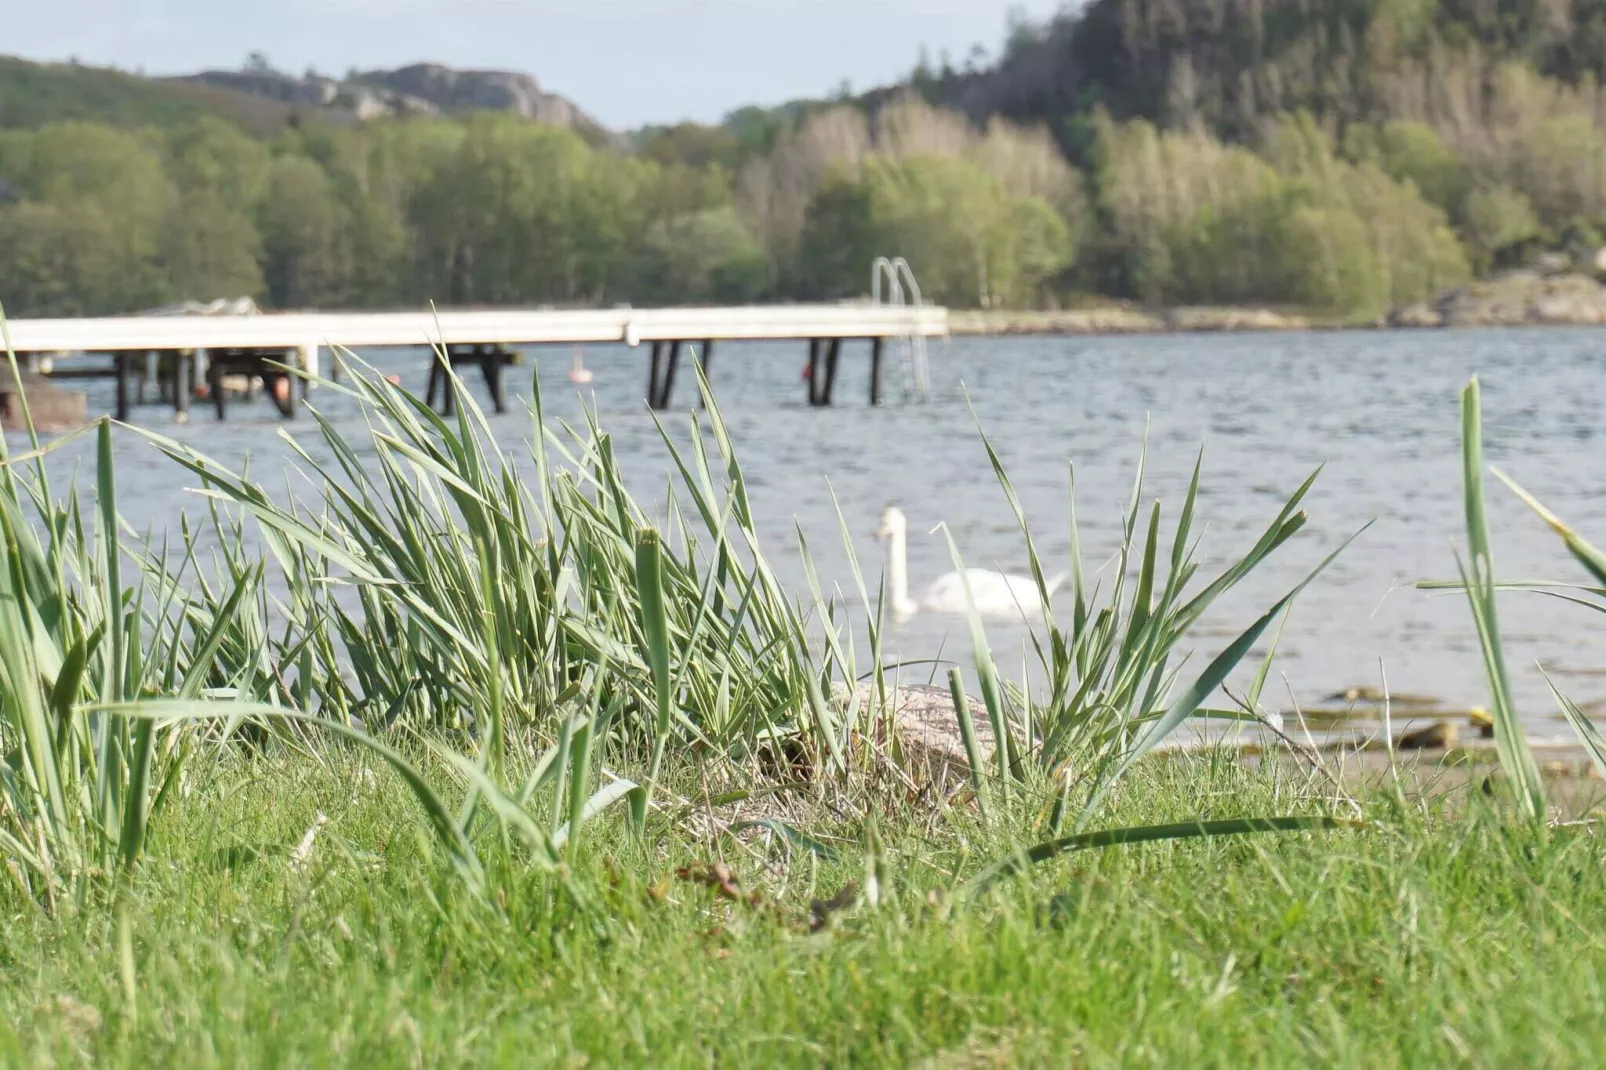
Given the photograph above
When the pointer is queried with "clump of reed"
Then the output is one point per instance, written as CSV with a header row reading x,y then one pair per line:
x,y
531,639
1113,668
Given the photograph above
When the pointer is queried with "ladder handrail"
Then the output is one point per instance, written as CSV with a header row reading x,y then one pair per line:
x,y
896,287
902,267
897,270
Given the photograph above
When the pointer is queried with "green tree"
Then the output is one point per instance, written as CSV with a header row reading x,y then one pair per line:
x,y
839,240
969,241
693,145
945,217
116,181
1497,217
700,256
1410,151
212,155
1328,261
306,250
209,250
56,261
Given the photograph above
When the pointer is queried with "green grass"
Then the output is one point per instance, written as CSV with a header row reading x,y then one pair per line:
x,y
350,795
1419,940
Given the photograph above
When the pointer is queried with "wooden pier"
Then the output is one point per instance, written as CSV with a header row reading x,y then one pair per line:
x,y
175,352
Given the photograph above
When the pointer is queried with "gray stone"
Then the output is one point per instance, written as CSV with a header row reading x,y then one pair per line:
x,y
1420,314
1514,299
52,408
419,89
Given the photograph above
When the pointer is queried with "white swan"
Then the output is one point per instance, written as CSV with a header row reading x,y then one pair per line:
x,y
578,372
996,594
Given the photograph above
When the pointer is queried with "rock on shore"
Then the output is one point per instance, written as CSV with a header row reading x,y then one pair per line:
x,y
1515,299
1122,319
52,408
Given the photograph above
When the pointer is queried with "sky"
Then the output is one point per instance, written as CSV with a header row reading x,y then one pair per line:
x,y
626,62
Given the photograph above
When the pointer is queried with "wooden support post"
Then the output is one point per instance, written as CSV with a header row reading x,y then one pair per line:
x,y
814,371
183,364
833,350
271,378
875,369
148,376
704,357
449,382
214,383
307,361
435,359
667,389
120,361
653,374
492,359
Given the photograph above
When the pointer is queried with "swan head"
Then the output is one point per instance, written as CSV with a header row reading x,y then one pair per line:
x,y
893,523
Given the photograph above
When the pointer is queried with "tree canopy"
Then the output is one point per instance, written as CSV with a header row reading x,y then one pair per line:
x,y
1343,156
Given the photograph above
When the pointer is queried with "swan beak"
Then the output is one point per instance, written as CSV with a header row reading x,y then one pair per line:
x,y
881,533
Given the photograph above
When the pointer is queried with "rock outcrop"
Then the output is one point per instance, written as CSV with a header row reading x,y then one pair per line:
x,y
419,89
1515,299
51,408
448,90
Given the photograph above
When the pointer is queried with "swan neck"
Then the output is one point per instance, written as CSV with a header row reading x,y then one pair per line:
x,y
898,573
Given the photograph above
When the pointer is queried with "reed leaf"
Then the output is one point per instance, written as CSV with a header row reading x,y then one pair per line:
x,y
1516,757
1182,830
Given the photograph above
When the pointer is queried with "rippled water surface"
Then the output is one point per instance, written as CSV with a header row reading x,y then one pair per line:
x,y
1378,409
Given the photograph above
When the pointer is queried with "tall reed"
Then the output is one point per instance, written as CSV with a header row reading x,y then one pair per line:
x,y
1481,585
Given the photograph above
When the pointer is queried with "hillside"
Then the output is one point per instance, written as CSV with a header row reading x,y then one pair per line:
x,y
1234,65
34,94
263,101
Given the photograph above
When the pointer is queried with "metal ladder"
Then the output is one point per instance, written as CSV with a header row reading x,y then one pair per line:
x,y
902,290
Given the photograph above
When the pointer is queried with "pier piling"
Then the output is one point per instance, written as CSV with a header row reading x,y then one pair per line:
x,y
668,389
814,371
875,370
183,384
214,384
832,352
492,361
121,360
655,372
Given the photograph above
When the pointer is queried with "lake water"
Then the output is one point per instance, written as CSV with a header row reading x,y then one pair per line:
x,y
1379,409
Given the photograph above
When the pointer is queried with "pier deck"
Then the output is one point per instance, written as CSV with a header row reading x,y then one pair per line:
x,y
482,336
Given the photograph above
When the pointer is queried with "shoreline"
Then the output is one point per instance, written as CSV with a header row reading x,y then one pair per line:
x,y
1118,320
1525,298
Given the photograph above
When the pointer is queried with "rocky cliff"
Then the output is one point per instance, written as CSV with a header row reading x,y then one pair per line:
x,y
419,89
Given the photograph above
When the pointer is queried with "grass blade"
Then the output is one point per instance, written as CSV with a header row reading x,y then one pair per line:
x,y
1588,734
1516,757
967,732
1184,830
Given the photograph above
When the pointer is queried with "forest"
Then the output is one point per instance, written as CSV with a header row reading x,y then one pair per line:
x,y
1340,157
